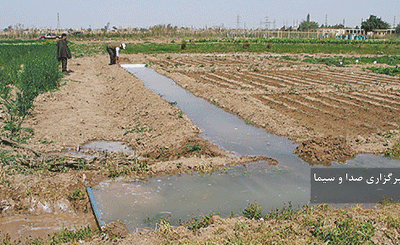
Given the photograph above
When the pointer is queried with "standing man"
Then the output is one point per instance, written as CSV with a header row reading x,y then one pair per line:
x,y
63,52
113,50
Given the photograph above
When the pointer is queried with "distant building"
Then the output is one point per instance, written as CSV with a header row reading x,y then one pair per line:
x,y
383,32
355,32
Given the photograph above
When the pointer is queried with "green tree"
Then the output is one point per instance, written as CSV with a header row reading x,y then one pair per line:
x,y
308,24
373,23
338,26
398,29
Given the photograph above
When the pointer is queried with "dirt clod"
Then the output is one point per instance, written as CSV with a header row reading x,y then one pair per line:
x,y
324,150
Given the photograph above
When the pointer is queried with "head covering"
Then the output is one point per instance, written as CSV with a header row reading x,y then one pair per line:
x,y
123,45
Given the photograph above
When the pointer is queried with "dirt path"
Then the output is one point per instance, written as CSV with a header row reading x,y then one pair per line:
x,y
102,102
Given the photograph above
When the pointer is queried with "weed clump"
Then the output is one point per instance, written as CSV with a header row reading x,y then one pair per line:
x,y
196,223
253,211
394,152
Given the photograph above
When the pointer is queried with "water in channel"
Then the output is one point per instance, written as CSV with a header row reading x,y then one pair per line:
x,y
141,203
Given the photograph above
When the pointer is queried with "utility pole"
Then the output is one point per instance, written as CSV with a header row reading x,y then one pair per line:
x,y
344,23
238,22
58,21
326,20
394,22
266,23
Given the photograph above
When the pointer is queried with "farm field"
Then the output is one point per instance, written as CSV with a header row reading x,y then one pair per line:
x,y
333,112
313,104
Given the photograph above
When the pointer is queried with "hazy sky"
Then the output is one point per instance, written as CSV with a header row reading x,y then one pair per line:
x,y
186,13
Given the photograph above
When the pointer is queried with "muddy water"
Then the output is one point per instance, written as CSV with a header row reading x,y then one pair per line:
x,y
141,203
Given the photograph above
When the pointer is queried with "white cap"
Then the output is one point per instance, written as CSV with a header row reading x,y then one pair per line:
x,y
123,46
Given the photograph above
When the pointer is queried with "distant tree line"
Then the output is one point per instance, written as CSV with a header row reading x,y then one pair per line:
x,y
372,23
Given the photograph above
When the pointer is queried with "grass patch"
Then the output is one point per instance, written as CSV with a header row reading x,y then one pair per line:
x,y
348,231
394,152
63,237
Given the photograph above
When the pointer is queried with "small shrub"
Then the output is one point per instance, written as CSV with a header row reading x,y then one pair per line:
x,y
76,195
183,44
246,45
180,114
196,223
192,148
248,121
253,211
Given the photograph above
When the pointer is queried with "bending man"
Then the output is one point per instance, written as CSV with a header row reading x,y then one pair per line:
x,y
113,50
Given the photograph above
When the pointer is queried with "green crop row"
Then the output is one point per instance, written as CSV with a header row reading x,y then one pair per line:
x,y
232,47
392,71
295,40
342,61
25,72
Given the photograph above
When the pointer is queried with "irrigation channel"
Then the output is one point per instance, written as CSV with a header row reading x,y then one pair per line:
x,y
140,204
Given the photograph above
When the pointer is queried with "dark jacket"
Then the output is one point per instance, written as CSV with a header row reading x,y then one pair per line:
x,y
63,50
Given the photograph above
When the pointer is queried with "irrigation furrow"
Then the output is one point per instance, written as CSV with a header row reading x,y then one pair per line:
x,y
186,62
277,84
368,102
278,79
307,105
260,85
231,81
319,101
284,104
301,77
376,98
341,76
371,78
394,97
340,100
303,80
218,82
